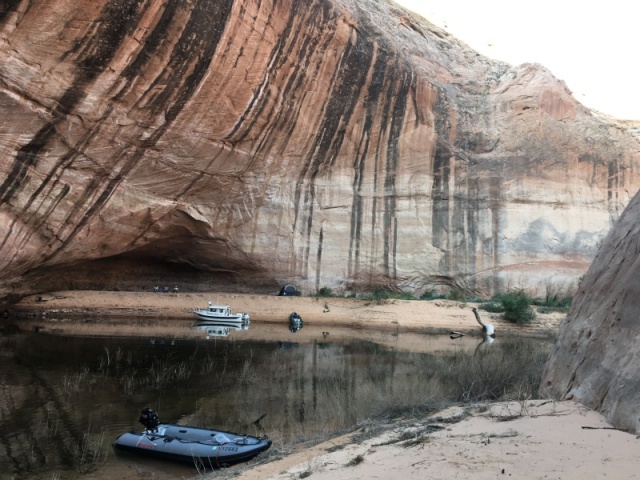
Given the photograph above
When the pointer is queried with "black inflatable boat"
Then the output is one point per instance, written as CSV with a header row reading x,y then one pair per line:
x,y
198,446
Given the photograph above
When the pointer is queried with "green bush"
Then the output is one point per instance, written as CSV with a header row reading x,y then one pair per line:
x,y
493,307
405,296
457,294
431,295
379,294
517,307
325,292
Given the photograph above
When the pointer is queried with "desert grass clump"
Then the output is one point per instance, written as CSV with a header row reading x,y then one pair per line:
x,y
509,371
79,381
161,373
357,460
167,371
557,297
89,452
381,294
553,303
312,466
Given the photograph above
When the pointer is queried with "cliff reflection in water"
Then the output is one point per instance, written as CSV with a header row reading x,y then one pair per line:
x,y
64,399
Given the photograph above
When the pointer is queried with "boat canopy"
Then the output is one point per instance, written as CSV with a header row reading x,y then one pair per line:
x,y
222,309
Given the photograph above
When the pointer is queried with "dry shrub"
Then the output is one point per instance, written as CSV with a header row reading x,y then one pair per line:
x,y
498,371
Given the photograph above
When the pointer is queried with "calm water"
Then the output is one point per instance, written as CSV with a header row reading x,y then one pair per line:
x,y
63,399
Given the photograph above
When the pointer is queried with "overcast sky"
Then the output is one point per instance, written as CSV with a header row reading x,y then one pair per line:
x,y
591,45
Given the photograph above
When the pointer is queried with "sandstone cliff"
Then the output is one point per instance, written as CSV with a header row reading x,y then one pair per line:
x,y
340,143
595,359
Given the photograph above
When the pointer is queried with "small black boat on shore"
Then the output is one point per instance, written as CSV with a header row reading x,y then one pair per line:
x,y
295,322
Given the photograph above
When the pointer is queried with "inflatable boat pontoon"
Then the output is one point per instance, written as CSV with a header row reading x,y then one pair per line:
x,y
199,446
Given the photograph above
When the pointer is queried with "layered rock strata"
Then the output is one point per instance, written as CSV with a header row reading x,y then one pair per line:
x,y
338,143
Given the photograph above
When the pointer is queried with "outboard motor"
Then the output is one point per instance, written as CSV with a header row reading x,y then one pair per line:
x,y
149,418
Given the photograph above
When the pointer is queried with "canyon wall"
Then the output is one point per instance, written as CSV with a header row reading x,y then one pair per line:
x,y
328,143
595,359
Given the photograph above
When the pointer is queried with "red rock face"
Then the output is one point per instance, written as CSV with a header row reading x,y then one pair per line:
x,y
344,144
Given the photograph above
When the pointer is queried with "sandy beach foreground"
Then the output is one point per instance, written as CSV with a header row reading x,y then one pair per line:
x,y
541,439
527,440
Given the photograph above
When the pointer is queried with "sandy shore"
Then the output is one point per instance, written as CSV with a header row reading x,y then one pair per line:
x,y
398,324
529,440
438,316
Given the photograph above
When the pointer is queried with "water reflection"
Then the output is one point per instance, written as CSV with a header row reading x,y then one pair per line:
x,y
218,330
213,330
64,399
484,341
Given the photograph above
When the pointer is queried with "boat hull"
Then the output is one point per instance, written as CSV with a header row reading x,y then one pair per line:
x,y
204,315
295,322
197,446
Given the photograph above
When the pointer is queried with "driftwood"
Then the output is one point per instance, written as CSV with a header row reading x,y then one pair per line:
x,y
604,428
488,329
